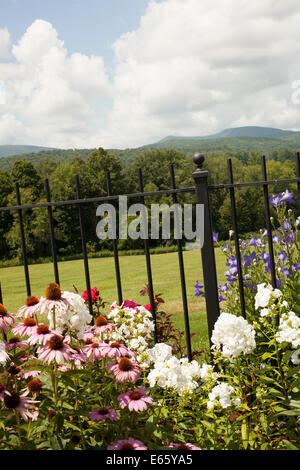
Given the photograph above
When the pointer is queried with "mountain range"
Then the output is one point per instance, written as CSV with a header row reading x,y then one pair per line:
x,y
237,139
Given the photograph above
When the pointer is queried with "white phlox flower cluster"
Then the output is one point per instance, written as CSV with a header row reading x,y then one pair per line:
x,y
233,336
265,297
76,318
135,327
221,394
289,329
171,372
207,373
3,354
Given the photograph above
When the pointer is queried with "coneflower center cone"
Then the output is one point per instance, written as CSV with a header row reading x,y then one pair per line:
x,y
56,343
3,311
31,300
43,329
135,395
53,292
125,364
101,321
29,322
12,401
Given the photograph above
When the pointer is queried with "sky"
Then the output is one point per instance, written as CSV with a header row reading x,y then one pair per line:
x,y
125,73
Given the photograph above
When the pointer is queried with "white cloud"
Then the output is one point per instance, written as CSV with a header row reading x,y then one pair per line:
x,y
4,43
191,68
49,95
195,67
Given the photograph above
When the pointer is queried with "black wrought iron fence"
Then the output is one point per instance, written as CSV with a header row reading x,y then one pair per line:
x,y
201,190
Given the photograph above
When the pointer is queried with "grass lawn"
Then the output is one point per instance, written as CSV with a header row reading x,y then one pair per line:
x,y
166,280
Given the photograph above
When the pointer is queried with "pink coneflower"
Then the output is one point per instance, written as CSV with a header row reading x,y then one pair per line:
x,y
115,350
88,336
125,370
16,343
102,414
41,335
77,357
53,300
34,386
128,444
186,446
102,326
95,294
93,350
5,319
30,373
26,328
136,400
15,402
30,308
55,350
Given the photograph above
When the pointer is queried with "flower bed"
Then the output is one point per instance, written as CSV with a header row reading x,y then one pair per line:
x,y
73,381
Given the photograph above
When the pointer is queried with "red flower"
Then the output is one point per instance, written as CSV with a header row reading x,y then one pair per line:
x,y
147,307
95,294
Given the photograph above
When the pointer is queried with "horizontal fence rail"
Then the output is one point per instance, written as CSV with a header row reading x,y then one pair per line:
x,y
201,190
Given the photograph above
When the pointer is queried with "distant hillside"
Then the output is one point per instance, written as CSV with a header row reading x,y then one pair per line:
x,y
263,140
7,150
246,131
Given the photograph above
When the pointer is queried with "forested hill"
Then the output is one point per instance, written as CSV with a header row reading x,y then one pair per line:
x,y
240,142
7,150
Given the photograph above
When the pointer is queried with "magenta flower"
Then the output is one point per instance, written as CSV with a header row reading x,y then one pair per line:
x,y
128,444
115,350
56,350
5,319
125,370
102,414
129,304
136,400
28,327
186,446
30,308
95,294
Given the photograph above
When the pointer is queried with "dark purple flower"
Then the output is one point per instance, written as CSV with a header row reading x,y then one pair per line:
x,y
275,201
285,272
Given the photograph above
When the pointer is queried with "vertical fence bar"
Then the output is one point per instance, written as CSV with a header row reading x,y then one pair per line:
x,y
115,248
23,243
268,222
84,251
236,239
207,251
182,278
51,228
148,264
298,176
1,296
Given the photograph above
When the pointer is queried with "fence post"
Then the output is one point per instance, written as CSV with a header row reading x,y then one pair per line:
x,y
207,251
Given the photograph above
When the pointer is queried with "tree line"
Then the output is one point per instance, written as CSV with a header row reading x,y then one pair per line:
x,y
155,165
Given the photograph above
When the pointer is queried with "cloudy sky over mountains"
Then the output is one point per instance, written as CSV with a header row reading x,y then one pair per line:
x,y
154,68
